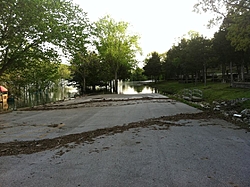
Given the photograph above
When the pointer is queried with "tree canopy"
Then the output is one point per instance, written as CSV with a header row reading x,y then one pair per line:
x,y
88,70
152,66
116,47
38,29
234,16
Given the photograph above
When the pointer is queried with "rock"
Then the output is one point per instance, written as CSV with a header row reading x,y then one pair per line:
x,y
232,112
245,113
205,105
225,114
247,121
239,120
216,108
215,103
223,103
237,115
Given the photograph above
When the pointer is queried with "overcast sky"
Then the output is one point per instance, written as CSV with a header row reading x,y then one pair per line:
x,y
158,22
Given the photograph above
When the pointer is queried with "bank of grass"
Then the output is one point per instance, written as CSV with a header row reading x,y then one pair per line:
x,y
211,91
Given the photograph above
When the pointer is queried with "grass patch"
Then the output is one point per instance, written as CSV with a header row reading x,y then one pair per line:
x,y
211,92
245,105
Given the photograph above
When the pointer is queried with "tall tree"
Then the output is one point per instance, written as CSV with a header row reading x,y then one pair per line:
x,y
137,74
116,47
234,13
190,56
153,66
38,29
89,70
171,64
224,50
199,52
36,77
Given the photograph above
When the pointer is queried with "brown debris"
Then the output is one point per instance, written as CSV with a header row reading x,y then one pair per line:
x,y
29,147
96,103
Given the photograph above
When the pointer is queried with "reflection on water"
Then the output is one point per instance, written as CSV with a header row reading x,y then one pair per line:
x,y
31,99
28,99
135,87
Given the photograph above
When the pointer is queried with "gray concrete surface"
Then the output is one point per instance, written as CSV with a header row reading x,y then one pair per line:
x,y
207,152
35,125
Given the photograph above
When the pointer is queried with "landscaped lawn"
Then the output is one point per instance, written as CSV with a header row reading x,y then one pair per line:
x,y
211,92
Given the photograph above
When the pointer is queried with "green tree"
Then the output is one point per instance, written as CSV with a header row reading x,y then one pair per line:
x,y
36,78
88,70
64,72
190,56
116,47
224,51
171,64
137,74
153,66
199,52
38,29
235,14
179,57
79,69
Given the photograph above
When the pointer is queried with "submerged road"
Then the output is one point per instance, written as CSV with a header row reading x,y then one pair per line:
x,y
121,140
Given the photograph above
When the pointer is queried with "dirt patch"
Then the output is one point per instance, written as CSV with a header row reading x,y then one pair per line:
x,y
29,147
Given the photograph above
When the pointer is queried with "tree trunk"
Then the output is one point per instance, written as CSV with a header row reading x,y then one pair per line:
x,y
84,84
93,88
231,74
205,75
196,77
116,83
242,71
223,72
238,73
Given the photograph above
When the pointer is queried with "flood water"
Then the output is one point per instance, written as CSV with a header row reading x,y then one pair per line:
x,y
31,99
34,99
135,87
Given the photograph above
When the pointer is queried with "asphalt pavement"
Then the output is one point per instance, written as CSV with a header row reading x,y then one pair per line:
x,y
182,152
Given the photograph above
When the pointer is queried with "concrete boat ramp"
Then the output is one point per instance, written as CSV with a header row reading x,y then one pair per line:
x,y
121,140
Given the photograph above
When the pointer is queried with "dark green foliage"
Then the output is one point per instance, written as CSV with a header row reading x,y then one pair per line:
x,y
152,68
211,92
36,29
235,15
88,70
116,47
138,75
190,58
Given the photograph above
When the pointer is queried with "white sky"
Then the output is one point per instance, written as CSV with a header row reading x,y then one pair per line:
x,y
158,22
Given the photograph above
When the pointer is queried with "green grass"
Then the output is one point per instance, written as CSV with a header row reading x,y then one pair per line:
x,y
211,92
